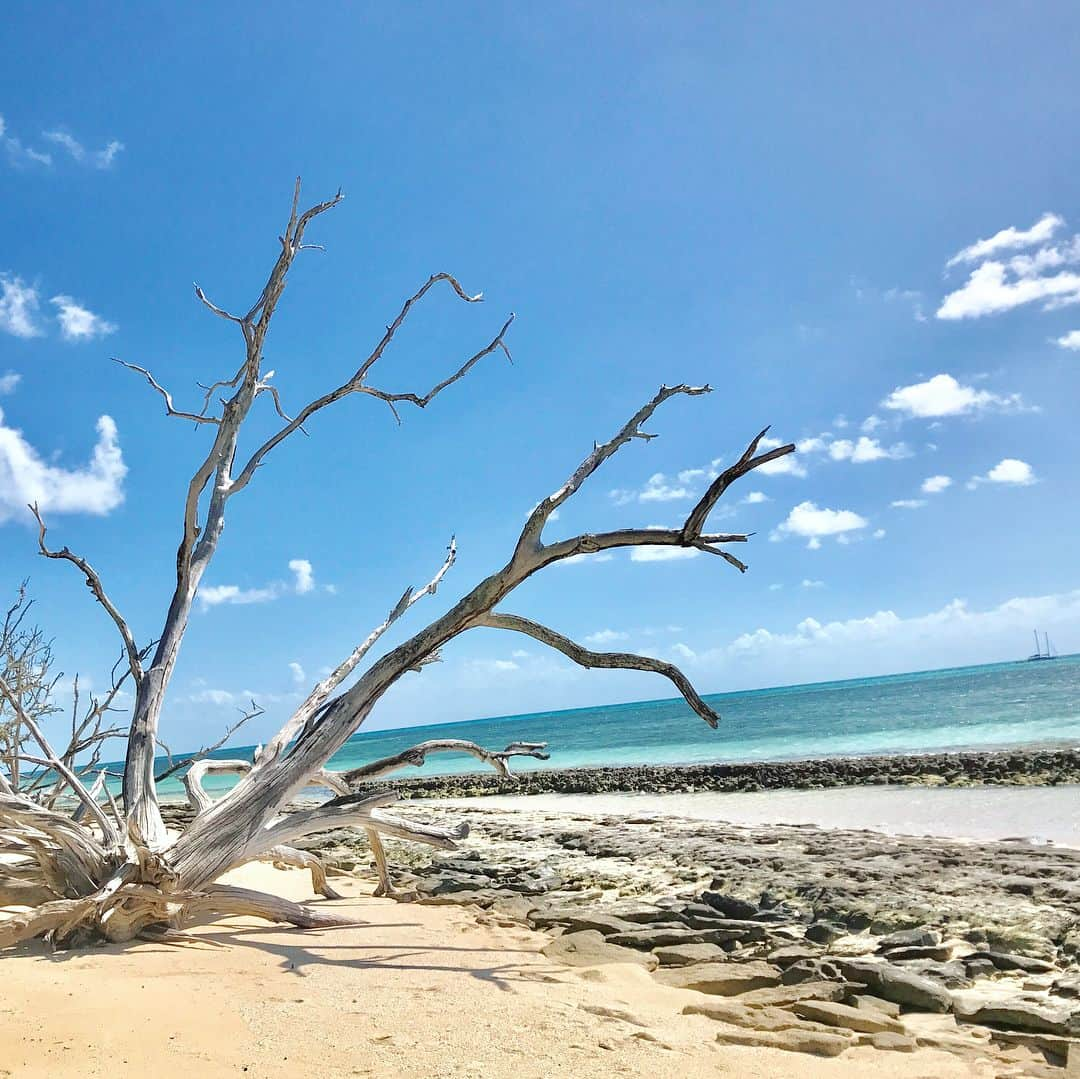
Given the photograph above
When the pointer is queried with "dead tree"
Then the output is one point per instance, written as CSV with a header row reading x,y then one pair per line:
x,y
124,874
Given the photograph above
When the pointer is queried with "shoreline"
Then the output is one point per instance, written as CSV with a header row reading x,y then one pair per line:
x,y
1029,766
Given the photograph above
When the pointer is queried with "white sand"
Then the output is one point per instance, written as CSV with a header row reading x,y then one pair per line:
x,y
413,992
981,813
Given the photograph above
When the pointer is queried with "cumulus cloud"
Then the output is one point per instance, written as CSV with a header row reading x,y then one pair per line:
x,y
579,559
304,576
908,503
660,487
813,523
943,395
302,584
661,554
1070,340
25,477
1010,239
1000,284
297,672
934,485
886,641
18,306
215,595
807,583
1010,471
78,323
606,636
866,449
788,465
755,497
9,381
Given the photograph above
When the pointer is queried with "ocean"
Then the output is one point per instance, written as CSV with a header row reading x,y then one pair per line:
x,y
985,707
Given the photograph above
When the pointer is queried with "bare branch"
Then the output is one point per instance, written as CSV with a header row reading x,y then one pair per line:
x,y
214,307
307,711
422,401
112,840
195,417
530,534
175,766
355,384
417,755
695,522
93,582
582,656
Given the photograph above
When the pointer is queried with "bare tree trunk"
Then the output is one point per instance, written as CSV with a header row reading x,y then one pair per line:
x,y
136,880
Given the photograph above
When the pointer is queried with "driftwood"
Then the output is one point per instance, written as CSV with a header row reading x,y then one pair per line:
x,y
118,872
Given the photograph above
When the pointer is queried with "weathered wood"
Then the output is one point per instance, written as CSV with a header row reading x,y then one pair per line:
x,y
149,881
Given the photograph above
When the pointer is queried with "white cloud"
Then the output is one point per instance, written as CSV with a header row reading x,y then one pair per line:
x,y
942,395
807,583
218,697
520,653
18,304
988,292
1070,340
812,523
789,465
934,485
305,577
18,155
775,587
578,559
1009,471
97,159
1010,239
78,323
908,503
879,533
756,497
297,671
490,666
96,488
684,652
866,449
661,554
606,636
8,382
215,595
871,424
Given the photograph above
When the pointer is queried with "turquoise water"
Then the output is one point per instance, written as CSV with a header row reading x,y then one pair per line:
x,y
1005,704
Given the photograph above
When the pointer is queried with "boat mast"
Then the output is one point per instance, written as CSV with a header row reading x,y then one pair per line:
x,y
1038,646
1047,636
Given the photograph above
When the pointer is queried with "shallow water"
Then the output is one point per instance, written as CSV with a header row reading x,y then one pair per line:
x,y
1004,704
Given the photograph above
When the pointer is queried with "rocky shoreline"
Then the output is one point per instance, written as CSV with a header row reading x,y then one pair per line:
x,y
795,937
1017,767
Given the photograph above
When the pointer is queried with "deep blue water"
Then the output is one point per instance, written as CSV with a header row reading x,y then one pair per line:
x,y
1003,704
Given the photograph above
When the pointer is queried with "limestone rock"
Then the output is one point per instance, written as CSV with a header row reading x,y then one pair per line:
x,y
1026,1015
861,1020
794,1041
682,955
783,995
867,1003
922,937
721,979
588,948
899,986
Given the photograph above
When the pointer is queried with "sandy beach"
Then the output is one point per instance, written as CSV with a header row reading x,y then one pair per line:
x,y
410,991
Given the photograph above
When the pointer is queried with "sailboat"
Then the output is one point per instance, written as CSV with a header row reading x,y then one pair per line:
x,y
1039,654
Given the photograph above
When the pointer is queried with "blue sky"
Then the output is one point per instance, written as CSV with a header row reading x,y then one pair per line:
x,y
783,202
